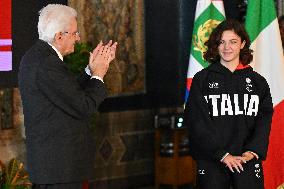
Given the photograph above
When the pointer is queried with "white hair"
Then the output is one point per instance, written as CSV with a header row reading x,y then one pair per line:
x,y
54,18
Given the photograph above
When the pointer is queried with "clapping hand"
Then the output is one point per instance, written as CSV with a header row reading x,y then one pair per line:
x,y
101,57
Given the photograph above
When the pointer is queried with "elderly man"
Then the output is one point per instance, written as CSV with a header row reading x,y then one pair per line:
x,y
57,105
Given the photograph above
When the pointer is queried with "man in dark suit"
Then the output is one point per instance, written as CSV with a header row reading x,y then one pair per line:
x,y
57,106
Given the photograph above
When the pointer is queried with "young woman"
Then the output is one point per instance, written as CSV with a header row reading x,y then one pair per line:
x,y
229,113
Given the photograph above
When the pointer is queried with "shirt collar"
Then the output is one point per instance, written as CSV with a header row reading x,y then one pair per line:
x,y
57,51
241,66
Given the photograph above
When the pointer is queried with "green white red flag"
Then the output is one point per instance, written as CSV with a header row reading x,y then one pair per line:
x,y
208,14
262,26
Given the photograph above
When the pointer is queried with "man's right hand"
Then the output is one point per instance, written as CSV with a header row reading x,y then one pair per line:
x,y
101,57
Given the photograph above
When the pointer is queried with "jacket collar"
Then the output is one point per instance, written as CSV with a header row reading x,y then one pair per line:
x,y
218,67
45,45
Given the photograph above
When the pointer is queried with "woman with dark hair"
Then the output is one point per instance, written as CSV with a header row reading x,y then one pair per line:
x,y
212,54
229,113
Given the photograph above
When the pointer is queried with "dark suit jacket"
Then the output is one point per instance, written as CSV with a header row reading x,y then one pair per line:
x,y
57,108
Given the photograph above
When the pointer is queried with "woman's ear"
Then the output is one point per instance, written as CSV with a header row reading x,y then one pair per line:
x,y
243,44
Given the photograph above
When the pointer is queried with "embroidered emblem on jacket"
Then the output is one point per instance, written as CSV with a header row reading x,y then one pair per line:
x,y
214,85
201,171
257,170
248,85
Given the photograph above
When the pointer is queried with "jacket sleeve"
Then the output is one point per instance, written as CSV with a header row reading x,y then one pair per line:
x,y
203,136
83,79
258,142
62,89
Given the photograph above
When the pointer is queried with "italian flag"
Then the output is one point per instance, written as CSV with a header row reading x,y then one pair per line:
x,y
208,14
262,26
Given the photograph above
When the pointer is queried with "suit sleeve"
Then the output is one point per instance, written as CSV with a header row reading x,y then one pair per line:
x,y
203,136
83,79
258,142
78,98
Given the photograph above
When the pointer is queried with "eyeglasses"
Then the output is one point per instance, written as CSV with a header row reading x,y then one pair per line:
x,y
77,33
